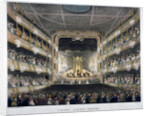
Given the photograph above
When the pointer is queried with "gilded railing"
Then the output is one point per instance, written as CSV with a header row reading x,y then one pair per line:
x,y
125,86
24,44
130,44
26,89
26,67
126,66
123,28
28,25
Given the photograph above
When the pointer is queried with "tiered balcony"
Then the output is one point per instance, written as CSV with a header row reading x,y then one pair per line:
x,y
26,89
123,28
28,25
130,44
25,67
24,44
122,67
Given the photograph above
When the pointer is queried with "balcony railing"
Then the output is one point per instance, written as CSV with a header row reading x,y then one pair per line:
x,y
121,67
26,89
26,67
28,25
26,45
124,85
130,44
123,28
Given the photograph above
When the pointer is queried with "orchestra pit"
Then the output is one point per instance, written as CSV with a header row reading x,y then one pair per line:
x,y
69,54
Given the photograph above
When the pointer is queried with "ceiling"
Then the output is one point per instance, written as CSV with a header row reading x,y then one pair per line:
x,y
51,17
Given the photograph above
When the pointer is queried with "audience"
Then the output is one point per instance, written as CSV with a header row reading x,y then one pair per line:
x,y
23,81
125,38
25,57
122,59
11,28
25,35
70,96
123,79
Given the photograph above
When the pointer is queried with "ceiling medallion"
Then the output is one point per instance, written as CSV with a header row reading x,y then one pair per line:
x,y
77,8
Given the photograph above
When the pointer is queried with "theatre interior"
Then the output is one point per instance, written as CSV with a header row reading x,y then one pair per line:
x,y
72,54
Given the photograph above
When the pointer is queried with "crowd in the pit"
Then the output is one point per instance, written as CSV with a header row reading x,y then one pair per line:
x,y
123,79
122,59
26,36
26,58
67,97
126,36
23,81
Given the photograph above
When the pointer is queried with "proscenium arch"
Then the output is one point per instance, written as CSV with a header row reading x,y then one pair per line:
x,y
72,34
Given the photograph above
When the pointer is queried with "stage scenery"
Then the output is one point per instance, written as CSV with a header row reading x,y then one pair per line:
x,y
72,54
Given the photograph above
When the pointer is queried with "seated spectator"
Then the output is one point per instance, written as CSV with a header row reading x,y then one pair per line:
x,y
25,57
22,81
122,79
